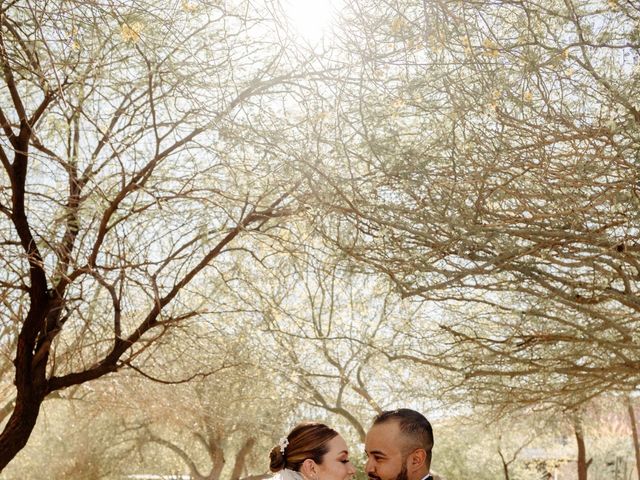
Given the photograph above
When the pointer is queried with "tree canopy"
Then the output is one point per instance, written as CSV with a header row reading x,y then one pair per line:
x,y
487,164
437,197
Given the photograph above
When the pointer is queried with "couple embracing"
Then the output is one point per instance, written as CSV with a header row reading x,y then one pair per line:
x,y
398,447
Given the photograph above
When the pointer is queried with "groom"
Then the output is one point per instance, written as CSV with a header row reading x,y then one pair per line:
x,y
398,446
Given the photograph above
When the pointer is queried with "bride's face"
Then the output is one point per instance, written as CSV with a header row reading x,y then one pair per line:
x,y
335,463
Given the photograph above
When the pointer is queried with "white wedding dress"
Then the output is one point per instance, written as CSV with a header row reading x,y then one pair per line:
x,y
286,474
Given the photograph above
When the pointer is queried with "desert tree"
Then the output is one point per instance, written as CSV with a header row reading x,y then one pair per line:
x,y
218,425
138,143
325,330
487,165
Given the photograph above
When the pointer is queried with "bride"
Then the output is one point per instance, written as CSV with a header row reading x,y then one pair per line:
x,y
311,451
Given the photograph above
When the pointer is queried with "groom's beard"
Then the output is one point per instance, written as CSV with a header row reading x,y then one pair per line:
x,y
401,476
403,473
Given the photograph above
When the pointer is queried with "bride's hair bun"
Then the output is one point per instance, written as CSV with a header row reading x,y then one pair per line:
x,y
306,440
277,459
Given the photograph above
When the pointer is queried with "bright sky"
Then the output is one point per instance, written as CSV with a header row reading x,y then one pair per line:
x,y
310,18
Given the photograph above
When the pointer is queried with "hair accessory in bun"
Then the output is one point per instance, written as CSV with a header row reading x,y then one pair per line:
x,y
283,443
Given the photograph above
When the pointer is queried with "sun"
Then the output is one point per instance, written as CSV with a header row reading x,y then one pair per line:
x,y
311,19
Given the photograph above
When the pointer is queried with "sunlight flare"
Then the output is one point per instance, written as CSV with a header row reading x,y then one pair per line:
x,y
311,19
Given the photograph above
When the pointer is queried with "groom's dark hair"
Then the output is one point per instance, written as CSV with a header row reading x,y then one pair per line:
x,y
414,426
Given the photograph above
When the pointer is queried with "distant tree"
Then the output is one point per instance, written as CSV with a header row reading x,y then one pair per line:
x,y
634,432
79,438
220,426
324,329
485,446
313,330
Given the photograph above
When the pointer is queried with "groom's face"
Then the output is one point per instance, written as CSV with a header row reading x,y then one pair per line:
x,y
385,460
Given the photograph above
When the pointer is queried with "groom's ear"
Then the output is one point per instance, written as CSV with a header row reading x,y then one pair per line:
x,y
417,458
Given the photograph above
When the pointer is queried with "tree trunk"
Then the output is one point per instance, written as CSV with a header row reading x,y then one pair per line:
x,y
29,379
583,465
241,458
505,470
217,456
634,432
505,465
7,408
19,427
